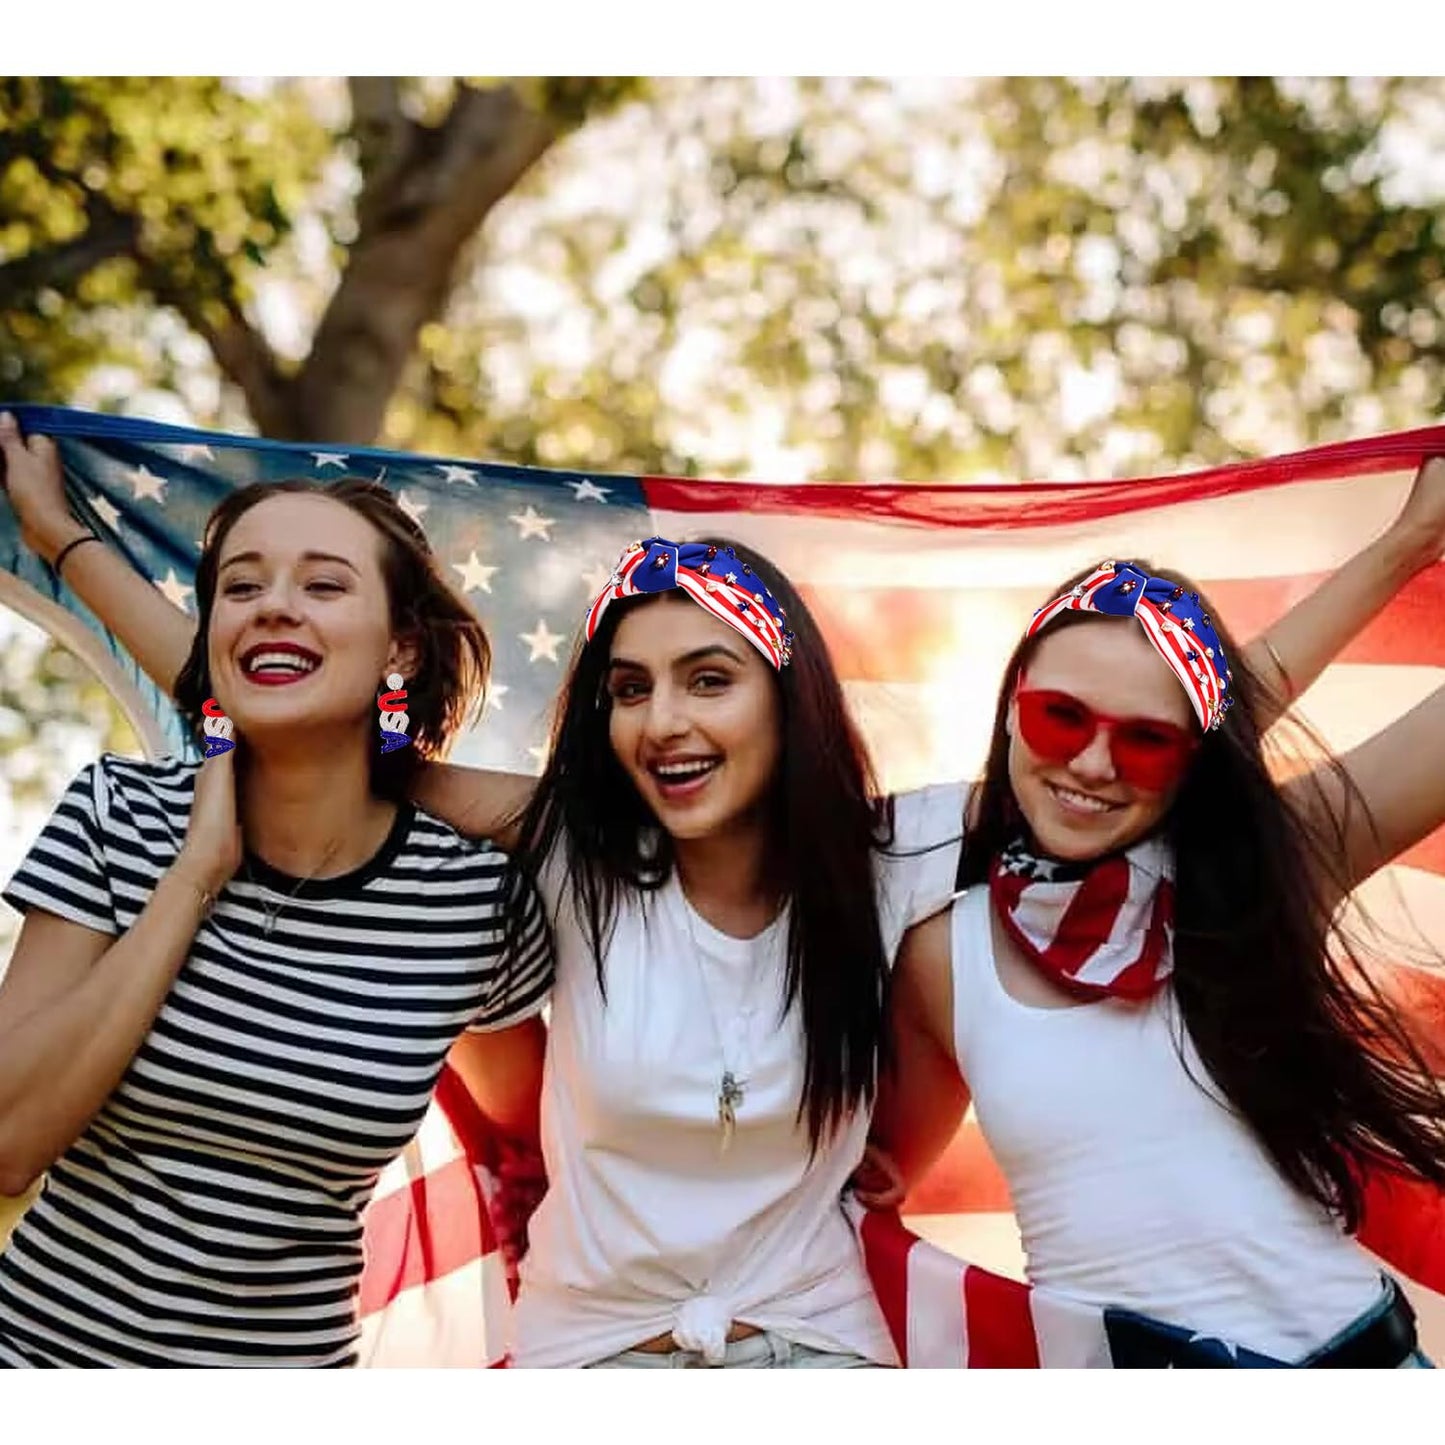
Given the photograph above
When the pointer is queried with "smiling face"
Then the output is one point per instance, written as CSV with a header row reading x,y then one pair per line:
x,y
1081,807
300,629
695,719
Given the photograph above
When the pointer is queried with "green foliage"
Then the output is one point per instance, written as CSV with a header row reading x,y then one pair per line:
x,y
185,181
1242,254
1012,278
839,277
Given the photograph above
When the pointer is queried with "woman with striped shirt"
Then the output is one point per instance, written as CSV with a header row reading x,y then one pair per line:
x,y
237,981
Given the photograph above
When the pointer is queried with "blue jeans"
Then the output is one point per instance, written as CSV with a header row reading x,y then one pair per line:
x,y
1417,1360
765,1351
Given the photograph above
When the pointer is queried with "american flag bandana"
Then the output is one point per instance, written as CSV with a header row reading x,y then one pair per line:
x,y
1173,620
716,578
1102,928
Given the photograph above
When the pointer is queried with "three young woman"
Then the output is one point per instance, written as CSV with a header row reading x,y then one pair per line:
x,y
237,981
725,894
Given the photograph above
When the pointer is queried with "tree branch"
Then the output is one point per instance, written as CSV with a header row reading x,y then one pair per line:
x,y
381,131
410,236
60,267
109,232
241,351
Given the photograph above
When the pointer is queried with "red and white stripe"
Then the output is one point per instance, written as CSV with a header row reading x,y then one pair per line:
x,y
1198,675
1128,903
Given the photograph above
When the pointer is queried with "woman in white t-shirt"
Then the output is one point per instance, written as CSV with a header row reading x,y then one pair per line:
x,y
727,894
1172,1048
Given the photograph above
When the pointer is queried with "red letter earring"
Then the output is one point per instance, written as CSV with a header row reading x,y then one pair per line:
x,y
215,729
393,718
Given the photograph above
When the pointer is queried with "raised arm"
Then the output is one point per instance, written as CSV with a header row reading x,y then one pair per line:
x,y
481,803
1400,775
1291,654
154,632
923,1097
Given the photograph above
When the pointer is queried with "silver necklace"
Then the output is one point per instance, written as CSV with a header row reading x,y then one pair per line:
x,y
274,911
732,1086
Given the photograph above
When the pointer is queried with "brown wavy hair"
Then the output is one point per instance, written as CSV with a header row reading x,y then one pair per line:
x,y
1278,1000
454,656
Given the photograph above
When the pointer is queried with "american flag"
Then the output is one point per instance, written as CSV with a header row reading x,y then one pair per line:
x,y
922,591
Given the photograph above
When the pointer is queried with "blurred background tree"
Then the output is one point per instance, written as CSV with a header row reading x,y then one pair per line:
x,y
907,279
789,278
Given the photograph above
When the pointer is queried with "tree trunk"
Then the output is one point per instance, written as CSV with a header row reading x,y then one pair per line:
x,y
426,193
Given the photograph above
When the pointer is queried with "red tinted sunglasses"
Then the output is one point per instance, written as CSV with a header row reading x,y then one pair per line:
x,y
1147,753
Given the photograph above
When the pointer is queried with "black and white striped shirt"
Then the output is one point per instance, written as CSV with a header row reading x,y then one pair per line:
x,y
210,1214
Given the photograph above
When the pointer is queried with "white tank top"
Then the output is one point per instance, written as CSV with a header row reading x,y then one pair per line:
x,y
1135,1185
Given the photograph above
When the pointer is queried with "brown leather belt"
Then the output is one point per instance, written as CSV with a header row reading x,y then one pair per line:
x,y
666,1345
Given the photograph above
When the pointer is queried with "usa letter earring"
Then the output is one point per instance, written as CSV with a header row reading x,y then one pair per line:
x,y
216,729
393,717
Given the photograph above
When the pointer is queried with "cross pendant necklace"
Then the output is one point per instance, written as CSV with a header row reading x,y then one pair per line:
x,y
731,1089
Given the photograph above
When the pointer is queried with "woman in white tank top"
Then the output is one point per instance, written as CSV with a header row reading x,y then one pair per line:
x,y
1136,988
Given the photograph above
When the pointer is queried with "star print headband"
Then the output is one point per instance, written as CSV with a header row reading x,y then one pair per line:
x,y
1173,621
716,578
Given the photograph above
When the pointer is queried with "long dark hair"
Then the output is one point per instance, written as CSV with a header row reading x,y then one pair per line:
x,y
453,654
825,823
1277,999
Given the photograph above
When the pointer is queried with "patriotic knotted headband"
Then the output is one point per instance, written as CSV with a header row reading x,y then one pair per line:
x,y
1172,619
716,578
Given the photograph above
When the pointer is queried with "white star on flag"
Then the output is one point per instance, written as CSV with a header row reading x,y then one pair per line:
x,y
495,693
331,459
107,510
174,590
193,450
452,473
476,576
146,484
532,523
595,579
1228,1345
413,506
543,642
590,492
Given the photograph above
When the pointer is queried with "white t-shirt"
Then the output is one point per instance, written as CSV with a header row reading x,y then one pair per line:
x,y
648,1226
1135,1185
